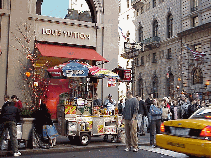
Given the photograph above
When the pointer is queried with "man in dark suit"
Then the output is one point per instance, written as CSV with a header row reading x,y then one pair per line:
x,y
148,103
141,113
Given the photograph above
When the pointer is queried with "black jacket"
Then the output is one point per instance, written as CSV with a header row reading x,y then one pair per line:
x,y
148,103
42,117
10,113
142,108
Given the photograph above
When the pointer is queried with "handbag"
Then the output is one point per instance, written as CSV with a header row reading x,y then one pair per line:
x,y
49,131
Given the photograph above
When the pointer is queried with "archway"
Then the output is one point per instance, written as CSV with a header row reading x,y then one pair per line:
x,y
94,7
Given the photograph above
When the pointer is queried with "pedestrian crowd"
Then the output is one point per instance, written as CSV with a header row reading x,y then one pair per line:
x,y
152,112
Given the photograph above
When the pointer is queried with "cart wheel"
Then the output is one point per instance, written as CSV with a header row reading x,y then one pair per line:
x,y
84,139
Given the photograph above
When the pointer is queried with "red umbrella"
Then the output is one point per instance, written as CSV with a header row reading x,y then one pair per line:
x,y
56,71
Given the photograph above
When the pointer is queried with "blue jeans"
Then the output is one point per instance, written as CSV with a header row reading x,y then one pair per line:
x,y
141,123
11,125
154,129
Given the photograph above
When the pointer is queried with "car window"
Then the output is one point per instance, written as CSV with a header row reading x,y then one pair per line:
x,y
203,113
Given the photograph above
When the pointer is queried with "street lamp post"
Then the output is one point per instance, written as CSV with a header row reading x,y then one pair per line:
x,y
207,83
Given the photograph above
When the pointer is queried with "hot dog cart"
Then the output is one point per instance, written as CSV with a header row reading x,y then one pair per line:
x,y
79,120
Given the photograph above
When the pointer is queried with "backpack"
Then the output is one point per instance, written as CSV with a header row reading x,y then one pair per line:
x,y
155,110
184,108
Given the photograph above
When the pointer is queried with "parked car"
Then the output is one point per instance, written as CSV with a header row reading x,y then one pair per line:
x,y
190,136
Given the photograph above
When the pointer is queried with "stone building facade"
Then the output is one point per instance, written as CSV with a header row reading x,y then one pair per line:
x,y
196,35
166,29
26,15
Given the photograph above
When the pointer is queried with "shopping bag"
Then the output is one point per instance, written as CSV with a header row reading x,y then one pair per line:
x,y
4,145
50,131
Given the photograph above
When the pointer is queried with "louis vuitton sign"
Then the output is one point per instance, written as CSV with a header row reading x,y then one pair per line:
x,y
66,34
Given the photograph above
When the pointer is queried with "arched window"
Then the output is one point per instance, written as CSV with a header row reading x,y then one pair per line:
x,y
155,86
155,28
170,25
197,76
153,3
140,34
170,85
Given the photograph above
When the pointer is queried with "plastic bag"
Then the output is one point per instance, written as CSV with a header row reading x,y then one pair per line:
x,y
4,145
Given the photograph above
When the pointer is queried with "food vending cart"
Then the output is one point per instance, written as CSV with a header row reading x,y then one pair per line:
x,y
79,121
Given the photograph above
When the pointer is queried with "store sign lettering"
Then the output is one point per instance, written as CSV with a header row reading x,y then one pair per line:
x,y
75,72
69,34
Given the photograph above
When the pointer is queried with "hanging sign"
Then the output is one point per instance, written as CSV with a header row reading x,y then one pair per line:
x,y
111,83
127,75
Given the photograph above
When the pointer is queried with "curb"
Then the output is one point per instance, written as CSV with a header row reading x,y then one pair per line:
x,y
68,148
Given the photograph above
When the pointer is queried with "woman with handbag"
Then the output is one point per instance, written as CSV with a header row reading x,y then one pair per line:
x,y
155,114
44,125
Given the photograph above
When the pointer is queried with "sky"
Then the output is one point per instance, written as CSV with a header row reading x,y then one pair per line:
x,y
58,8
55,8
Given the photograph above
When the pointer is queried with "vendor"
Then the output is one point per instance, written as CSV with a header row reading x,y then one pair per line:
x,y
97,102
110,103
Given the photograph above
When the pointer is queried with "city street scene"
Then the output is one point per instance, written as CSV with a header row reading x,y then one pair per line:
x,y
105,78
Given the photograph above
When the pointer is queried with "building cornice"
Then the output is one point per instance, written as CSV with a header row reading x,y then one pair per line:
x,y
65,21
195,29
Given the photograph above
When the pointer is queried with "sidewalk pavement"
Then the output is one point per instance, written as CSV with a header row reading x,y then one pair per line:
x,y
63,145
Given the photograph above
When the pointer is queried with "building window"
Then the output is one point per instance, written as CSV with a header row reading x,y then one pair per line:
x,y
137,61
197,48
155,86
148,6
169,53
0,4
119,8
170,25
142,9
155,28
154,58
195,4
197,76
142,61
128,36
153,3
141,88
137,12
127,17
128,4
170,85
195,21
140,33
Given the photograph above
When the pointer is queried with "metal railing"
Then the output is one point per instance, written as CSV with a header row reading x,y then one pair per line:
x,y
136,1
194,9
151,40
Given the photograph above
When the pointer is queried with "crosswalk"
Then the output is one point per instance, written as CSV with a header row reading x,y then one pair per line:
x,y
163,151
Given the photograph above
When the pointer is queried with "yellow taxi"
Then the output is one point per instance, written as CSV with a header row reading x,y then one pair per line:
x,y
189,136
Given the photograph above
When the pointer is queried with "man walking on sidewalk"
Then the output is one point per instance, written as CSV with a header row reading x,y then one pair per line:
x,y
130,114
141,113
9,117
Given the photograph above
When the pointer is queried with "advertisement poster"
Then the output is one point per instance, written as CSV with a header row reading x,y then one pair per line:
x,y
100,128
70,109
